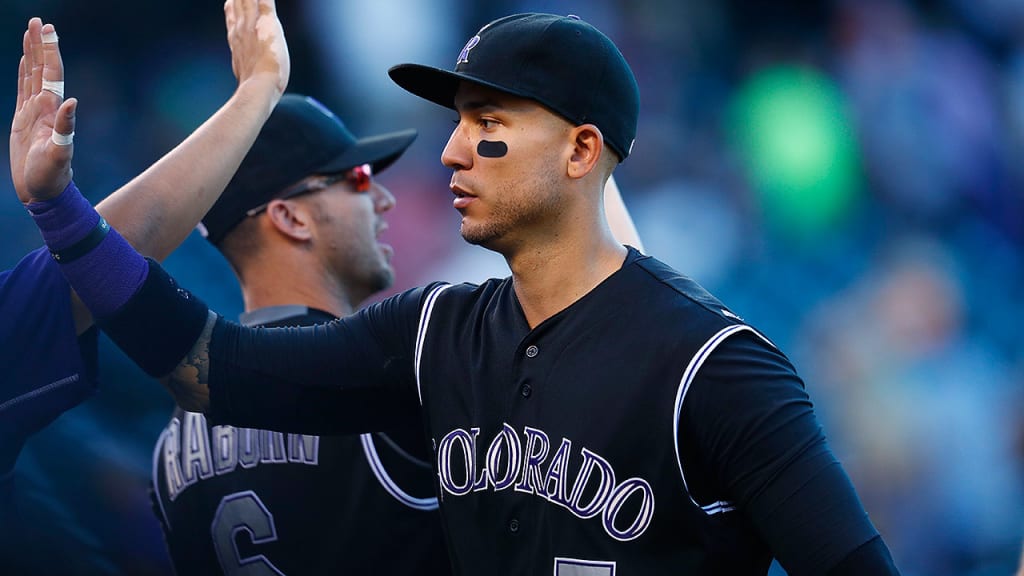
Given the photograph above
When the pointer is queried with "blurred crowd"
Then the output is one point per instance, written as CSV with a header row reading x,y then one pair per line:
x,y
847,175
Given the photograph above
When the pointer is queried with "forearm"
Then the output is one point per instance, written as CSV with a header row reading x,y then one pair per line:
x,y
811,515
871,558
326,379
157,210
748,414
118,285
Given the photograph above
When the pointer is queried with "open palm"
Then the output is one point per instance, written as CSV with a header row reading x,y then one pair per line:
x,y
40,168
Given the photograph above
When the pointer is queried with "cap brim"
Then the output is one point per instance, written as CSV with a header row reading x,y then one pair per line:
x,y
377,151
427,82
438,85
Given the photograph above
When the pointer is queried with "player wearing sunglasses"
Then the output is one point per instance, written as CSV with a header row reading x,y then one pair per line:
x,y
300,224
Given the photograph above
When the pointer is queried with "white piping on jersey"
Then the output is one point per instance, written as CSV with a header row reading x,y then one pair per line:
x,y
39,391
385,480
428,308
684,385
156,477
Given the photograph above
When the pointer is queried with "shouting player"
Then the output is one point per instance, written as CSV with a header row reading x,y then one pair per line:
x,y
596,412
299,224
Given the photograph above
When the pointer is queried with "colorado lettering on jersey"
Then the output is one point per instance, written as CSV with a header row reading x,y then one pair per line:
x,y
522,463
191,451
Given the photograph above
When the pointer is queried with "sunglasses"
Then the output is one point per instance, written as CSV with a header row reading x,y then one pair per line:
x,y
360,178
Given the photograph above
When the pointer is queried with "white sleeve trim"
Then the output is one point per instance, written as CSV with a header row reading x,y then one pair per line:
x,y
390,485
421,333
684,385
157,495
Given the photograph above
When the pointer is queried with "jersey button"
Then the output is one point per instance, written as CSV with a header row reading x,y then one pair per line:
x,y
532,351
526,390
513,526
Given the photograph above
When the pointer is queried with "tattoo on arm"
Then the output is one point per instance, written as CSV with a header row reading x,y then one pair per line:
x,y
188,382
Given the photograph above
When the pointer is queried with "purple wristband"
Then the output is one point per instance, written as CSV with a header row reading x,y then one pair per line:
x,y
107,276
65,219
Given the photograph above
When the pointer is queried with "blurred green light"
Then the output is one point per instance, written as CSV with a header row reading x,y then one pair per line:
x,y
794,135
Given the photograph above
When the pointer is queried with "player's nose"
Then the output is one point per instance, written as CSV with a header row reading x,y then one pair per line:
x,y
457,153
383,200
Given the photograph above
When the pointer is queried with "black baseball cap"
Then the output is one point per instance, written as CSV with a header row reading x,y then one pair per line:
x,y
559,61
301,138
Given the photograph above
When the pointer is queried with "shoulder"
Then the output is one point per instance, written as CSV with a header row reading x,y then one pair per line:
x,y
468,293
668,291
417,305
410,301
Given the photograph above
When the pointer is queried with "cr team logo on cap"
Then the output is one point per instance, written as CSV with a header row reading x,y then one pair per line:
x,y
464,55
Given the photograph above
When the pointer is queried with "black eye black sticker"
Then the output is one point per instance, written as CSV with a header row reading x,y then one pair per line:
x,y
489,149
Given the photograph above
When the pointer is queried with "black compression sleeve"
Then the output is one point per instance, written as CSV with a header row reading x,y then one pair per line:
x,y
871,558
750,430
346,376
158,325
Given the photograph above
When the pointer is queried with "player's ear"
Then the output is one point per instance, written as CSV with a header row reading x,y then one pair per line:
x,y
587,144
291,219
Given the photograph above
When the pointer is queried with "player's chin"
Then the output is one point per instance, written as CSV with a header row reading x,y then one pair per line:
x,y
383,279
477,234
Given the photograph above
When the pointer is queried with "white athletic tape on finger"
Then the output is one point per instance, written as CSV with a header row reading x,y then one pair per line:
x,y
50,37
62,139
55,86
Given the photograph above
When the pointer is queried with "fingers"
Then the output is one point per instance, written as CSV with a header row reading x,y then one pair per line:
x,y
269,30
22,87
64,122
26,71
256,38
35,51
229,14
230,21
64,126
44,67
53,65
247,14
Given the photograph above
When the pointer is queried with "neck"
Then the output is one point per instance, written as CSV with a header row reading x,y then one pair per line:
x,y
550,278
293,280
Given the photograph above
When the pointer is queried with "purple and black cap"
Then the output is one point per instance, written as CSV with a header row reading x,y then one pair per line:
x,y
559,61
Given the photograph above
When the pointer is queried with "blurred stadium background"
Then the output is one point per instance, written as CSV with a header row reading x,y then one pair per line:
x,y
848,175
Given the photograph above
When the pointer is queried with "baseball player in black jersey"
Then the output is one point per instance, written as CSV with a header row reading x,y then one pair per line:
x,y
595,413
299,223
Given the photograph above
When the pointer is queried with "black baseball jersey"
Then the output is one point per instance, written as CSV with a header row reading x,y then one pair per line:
x,y
645,429
249,501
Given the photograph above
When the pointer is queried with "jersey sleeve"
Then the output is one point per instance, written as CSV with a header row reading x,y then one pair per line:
x,y
348,376
748,434
48,369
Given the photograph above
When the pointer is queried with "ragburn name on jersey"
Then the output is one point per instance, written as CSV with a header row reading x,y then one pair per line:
x,y
191,451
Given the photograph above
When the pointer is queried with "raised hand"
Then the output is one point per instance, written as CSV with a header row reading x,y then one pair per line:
x,y
258,47
44,122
